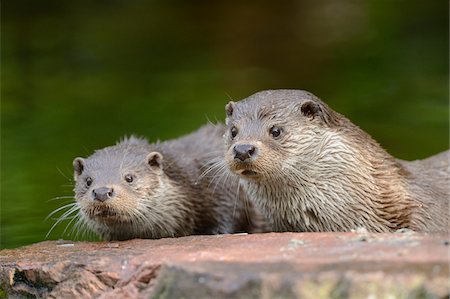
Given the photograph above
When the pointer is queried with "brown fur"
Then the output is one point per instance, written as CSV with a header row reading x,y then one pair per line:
x,y
323,173
169,196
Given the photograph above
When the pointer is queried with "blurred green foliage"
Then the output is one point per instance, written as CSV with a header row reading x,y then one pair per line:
x,y
78,75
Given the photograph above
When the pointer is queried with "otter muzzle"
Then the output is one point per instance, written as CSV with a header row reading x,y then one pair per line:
x,y
244,152
102,194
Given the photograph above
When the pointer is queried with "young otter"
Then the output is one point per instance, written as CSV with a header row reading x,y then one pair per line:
x,y
139,190
308,168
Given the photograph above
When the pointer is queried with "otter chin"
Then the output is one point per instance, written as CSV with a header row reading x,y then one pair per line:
x,y
308,168
103,213
248,173
243,169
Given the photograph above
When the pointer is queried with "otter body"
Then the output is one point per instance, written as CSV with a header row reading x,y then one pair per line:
x,y
308,168
139,190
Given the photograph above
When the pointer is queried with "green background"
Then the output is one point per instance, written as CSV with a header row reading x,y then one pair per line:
x,y
78,75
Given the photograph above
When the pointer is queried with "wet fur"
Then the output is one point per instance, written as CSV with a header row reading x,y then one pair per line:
x,y
326,174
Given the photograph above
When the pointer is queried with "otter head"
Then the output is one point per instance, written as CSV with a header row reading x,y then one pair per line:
x,y
269,131
114,185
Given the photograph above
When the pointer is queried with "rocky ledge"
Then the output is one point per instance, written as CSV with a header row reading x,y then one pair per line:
x,y
273,265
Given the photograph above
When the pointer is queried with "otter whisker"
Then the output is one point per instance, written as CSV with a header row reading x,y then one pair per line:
x,y
62,173
79,226
60,197
236,199
210,165
220,174
154,219
70,211
216,166
59,209
70,222
83,230
243,197
224,177
214,125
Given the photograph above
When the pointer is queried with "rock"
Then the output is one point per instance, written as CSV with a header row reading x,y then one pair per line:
x,y
282,265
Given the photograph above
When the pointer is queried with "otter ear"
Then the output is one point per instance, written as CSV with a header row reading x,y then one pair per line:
x,y
78,166
154,160
310,108
229,108
315,109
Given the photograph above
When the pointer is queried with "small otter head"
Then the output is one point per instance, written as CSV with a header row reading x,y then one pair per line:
x,y
270,128
115,187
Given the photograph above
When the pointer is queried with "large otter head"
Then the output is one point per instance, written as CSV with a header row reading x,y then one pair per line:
x,y
118,190
271,131
308,168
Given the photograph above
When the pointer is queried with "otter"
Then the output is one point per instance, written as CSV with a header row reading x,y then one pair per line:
x,y
139,190
308,168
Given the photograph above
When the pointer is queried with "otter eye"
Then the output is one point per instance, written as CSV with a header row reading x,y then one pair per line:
x,y
275,132
129,178
88,181
233,132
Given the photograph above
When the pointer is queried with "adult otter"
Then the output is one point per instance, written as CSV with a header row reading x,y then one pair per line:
x,y
139,190
308,168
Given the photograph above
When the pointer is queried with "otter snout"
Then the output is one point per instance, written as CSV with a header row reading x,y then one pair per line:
x,y
244,152
103,193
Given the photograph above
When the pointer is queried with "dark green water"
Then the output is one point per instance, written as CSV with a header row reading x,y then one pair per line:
x,y
77,76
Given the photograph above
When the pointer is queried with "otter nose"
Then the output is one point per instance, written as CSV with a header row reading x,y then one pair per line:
x,y
103,193
244,151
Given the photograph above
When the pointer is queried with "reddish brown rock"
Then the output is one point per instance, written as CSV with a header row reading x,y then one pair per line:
x,y
288,265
